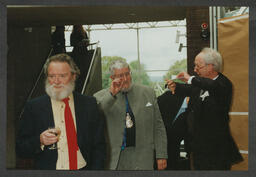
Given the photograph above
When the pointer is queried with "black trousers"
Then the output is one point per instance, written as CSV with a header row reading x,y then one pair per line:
x,y
199,162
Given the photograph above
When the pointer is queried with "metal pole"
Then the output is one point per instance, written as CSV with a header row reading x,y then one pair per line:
x,y
210,27
138,50
215,27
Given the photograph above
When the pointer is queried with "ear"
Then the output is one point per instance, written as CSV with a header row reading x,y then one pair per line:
x,y
211,67
74,77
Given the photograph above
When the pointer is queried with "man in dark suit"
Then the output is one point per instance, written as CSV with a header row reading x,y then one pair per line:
x,y
211,145
62,130
175,124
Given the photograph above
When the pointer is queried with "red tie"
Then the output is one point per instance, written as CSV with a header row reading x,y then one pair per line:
x,y
71,136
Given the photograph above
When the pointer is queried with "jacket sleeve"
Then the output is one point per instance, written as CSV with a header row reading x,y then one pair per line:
x,y
105,100
160,137
99,144
27,140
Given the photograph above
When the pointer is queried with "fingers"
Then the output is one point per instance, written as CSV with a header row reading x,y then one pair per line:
x,y
47,138
180,75
184,76
116,86
161,164
171,85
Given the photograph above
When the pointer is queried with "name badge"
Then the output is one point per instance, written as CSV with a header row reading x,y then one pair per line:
x,y
129,122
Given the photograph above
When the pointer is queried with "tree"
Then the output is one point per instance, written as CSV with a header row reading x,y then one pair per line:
x,y
177,67
139,77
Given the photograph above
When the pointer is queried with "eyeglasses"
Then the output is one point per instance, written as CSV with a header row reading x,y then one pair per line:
x,y
199,67
59,76
126,74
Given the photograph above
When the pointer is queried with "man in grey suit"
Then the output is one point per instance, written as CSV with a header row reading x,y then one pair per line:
x,y
135,130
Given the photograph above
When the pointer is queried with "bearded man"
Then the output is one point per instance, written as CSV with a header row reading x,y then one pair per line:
x,y
135,131
62,130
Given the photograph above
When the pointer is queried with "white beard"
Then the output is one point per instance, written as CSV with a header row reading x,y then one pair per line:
x,y
55,94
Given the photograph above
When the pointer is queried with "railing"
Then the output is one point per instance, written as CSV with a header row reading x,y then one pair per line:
x,y
36,83
42,71
90,68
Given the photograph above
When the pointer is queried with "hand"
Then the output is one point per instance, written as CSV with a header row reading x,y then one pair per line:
x,y
47,137
184,76
161,164
116,86
171,85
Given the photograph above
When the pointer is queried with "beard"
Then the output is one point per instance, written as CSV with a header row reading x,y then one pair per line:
x,y
60,93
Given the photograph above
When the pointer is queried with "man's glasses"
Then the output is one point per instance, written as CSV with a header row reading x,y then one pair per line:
x,y
59,76
199,67
126,74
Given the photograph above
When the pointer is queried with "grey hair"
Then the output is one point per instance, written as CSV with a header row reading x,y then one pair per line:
x,y
117,64
62,58
211,56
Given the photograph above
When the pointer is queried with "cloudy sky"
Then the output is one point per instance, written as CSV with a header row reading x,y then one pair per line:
x,y
158,49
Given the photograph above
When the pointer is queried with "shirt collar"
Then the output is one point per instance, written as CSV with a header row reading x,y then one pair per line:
x,y
215,77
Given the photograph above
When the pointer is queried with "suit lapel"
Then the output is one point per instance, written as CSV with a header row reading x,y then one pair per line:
x,y
134,105
46,108
81,117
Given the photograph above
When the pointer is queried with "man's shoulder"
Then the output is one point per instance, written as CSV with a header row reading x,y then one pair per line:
x,y
142,87
101,92
225,79
39,100
79,96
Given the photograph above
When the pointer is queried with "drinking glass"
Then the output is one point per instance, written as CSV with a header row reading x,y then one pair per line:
x,y
56,131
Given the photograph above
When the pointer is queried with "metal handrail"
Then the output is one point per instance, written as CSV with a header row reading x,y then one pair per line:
x,y
90,67
34,87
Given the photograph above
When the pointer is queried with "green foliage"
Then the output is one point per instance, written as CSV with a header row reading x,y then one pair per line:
x,y
141,77
177,67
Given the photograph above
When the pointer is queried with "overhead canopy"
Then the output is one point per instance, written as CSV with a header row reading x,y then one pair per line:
x,y
66,15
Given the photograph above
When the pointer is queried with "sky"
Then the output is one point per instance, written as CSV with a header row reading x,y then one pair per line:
x,y
158,49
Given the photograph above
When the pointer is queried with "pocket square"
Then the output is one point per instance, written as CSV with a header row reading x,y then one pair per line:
x,y
148,104
206,93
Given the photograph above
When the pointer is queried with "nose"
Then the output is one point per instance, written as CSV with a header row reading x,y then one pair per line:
x,y
56,80
125,77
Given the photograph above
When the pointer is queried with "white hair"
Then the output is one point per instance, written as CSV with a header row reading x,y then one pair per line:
x,y
117,64
211,56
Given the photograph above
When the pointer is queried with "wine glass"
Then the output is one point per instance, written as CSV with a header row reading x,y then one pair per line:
x,y
56,131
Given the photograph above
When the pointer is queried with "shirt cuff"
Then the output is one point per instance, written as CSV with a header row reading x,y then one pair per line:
x,y
190,79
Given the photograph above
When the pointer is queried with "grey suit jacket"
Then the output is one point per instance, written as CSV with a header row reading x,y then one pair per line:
x,y
151,138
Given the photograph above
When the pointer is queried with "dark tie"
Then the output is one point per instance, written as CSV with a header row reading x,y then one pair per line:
x,y
129,133
71,136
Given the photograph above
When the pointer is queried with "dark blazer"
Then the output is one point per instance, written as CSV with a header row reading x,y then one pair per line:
x,y
169,105
208,119
38,116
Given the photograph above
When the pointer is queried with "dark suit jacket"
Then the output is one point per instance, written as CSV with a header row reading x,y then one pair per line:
x,y
38,116
208,119
169,105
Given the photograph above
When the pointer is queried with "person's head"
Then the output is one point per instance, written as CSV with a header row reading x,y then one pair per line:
x,y
78,28
208,63
119,69
61,73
